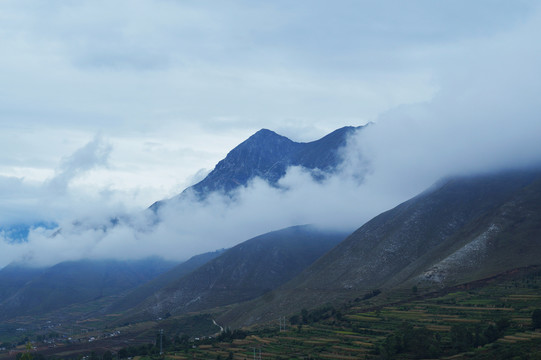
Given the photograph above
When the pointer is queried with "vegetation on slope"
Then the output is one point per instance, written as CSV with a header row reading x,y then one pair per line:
x,y
495,318
243,272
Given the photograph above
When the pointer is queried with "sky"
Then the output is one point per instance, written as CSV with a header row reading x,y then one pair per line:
x,y
106,107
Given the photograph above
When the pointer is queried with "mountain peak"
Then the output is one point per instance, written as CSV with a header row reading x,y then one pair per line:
x,y
265,133
265,136
268,155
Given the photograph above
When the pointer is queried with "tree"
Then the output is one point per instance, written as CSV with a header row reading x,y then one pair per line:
x,y
294,320
536,319
122,353
462,339
419,342
26,355
304,315
491,333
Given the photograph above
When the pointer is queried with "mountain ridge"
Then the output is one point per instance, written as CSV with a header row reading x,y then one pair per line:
x,y
243,272
396,248
268,155
71,282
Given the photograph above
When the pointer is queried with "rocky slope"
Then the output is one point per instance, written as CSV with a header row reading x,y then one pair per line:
x,y
145,290
243,272
267,155
460,230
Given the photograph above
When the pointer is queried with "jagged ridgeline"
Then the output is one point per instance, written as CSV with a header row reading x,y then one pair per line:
x,y
267,155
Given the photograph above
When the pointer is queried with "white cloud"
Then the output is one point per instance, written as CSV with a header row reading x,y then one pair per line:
x,y
173,87
92,155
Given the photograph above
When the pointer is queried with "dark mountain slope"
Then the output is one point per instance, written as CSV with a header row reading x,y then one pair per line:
x,y
77,282
435,239
245,271
262,155
145,290
268,155
15,276
506,238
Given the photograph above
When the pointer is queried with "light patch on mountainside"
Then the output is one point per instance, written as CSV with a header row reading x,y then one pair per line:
x,y
468,256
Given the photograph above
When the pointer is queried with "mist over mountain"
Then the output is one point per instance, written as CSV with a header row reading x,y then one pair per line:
x,y
243,272
32,291
14,276
148,288
267,155
370,152
462,229
266,167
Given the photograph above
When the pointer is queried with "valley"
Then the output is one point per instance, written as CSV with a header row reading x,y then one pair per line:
x,y
486,319
238,180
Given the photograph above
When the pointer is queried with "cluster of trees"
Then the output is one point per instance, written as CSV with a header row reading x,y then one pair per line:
x,y
229,336
536,319
371,294
464,338
316,315
142,350
420,342
177,343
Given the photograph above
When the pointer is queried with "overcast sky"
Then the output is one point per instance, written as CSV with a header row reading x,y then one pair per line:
x,y
117,104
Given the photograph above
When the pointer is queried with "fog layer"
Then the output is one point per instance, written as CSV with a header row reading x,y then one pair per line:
x,y
485,117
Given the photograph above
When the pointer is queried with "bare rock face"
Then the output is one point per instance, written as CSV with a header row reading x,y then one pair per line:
x,y
267,155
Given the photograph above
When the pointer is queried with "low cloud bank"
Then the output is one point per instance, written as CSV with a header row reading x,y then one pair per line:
x,y
485,117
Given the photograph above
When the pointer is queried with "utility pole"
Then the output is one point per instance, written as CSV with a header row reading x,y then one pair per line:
x,y
258,357
282,320
161,341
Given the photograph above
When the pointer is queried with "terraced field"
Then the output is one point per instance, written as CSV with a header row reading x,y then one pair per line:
x,y
490,319
359,330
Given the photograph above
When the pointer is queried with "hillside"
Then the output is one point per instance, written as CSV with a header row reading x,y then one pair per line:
x,y
488,319
243,272
15,276
72,282
460,230
145,290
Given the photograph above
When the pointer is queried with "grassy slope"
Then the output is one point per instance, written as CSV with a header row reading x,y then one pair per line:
x,y
13,277
142,292
243,272
82,281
